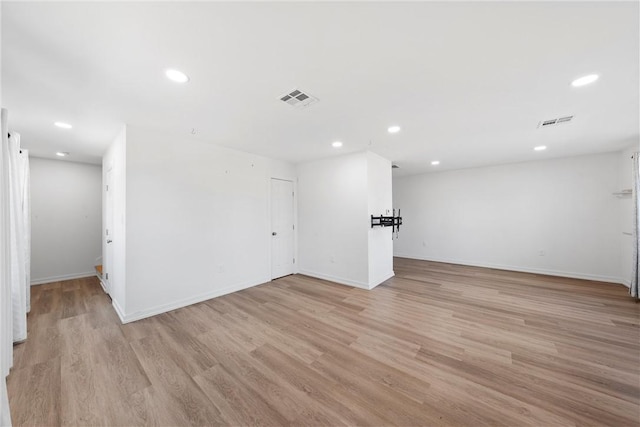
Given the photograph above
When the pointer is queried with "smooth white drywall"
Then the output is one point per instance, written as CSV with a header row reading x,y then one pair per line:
x,y
114,159
66,219
333,215
379,190
197,220
337,197
553,216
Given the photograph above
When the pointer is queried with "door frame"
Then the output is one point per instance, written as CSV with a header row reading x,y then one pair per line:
x,y
294,181
107,261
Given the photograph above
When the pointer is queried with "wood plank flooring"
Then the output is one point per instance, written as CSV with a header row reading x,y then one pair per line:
x,y
438,344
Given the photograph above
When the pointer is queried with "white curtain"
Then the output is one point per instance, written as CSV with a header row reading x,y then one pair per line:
x,y
633,289
6,320
15,256
25,173
18,178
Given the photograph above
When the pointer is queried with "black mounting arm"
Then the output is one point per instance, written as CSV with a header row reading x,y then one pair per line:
x,y
387,221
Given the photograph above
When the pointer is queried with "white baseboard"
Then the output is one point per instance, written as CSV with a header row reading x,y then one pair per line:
x,y
119,310
335,279
382,280
62,277
104,288
153,311
560,273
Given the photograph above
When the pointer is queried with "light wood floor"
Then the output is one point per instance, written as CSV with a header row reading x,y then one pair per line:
x,y
436,345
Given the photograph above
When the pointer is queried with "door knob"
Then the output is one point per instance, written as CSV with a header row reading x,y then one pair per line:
x,y
109,241
274,233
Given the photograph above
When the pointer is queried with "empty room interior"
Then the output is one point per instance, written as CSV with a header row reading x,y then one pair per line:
x,y
319,213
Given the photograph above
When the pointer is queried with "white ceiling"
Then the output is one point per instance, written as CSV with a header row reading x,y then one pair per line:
x,y
468,82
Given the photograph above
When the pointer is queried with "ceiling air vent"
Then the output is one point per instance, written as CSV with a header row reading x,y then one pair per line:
x,y
559,120
299,99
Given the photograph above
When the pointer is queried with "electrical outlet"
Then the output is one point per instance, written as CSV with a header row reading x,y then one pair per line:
x,y
332,259
541,253
424,244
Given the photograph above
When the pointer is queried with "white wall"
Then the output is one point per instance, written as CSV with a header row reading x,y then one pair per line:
x,y
336,198
65,219
380,203
114,262
333,219
1,103
197,220
553,216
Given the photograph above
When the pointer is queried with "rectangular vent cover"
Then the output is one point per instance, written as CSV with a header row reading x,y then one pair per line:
x,y
559,120
298,99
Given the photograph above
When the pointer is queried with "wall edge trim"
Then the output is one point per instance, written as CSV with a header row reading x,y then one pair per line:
x,y
557,273
381,280
60,278
335,279
118,310
163,308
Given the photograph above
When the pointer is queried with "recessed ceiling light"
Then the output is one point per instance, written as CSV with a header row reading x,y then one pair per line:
x,y
63,125
177,76
62,154
393,129
435,162
336,144
540,148
585,80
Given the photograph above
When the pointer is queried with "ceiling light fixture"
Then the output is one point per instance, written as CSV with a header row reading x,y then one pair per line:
x,y
177,76
63,125
540,148
336,144
393,129
585,80
435,163
62,154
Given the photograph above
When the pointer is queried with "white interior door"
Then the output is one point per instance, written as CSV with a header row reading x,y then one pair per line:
x,y
282,228
107,260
